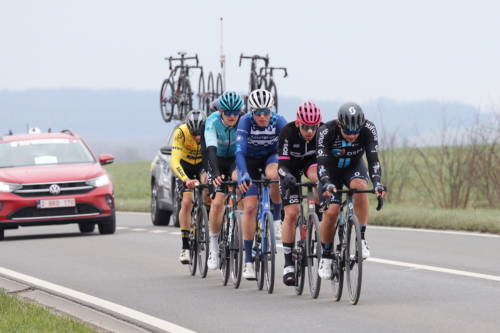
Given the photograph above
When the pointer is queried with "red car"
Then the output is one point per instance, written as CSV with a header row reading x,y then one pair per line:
x,y
54,178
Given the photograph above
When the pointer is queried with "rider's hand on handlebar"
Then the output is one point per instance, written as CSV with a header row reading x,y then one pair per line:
x,y
191,183
245,182
290,181
380,190
328,188
217,178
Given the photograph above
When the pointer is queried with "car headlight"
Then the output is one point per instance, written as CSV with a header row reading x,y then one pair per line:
x,y
9,187
99,181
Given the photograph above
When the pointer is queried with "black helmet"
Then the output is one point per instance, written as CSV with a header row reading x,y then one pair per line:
x,y
195,120
351,116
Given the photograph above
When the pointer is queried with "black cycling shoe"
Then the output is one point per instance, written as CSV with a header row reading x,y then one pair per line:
x,y
289,276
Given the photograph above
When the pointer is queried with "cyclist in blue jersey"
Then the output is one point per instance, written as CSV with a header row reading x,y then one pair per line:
x,y
218,153
257,147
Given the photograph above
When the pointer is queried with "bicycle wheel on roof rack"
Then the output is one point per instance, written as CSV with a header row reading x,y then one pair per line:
x,y
252,85
210,88
219,90
166,100
186,100
271,87
201,93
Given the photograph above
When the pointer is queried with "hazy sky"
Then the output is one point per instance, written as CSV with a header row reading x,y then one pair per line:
x,y
334,50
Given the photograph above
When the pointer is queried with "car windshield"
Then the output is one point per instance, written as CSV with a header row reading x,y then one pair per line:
x,y
43,152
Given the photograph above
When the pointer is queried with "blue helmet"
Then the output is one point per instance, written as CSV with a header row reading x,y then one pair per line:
x,y
230,100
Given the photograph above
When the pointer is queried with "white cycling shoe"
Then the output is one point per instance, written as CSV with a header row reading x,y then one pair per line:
x,y
277,229
365,250
248,271
184,257
325,269
213,260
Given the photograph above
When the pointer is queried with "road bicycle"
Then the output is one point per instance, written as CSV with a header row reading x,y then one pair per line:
x,y
176,96
307,250
255,79
347,247
267,80
265,238
199,235
231,238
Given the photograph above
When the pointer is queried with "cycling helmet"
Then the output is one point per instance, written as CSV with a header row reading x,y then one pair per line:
x,y
309,113
230,101
214,106
195,120
351,116
261,99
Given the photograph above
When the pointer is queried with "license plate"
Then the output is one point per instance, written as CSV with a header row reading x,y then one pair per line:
x,y
54,203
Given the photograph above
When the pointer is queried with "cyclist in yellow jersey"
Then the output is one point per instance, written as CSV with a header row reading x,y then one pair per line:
x,y
186,164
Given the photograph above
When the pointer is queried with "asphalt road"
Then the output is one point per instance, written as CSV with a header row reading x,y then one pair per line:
x,y
416,281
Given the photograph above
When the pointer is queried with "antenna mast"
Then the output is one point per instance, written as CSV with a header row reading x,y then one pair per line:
x,y
222,58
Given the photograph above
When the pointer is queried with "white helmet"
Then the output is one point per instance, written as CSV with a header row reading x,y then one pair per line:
x,y
261,99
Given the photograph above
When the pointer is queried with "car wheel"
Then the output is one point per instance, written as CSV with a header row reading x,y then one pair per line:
x,y
86,227
158,216
1,234
108,227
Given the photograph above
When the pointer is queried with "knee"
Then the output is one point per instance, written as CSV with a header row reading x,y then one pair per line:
x,y
291,215
216,205
250,209
331,215
359,184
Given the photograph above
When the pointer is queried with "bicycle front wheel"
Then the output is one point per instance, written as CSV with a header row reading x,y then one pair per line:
x,y
201,94
338,263
166,102
193,246
223,246
210,88
219,85
186,101
236,250
353,259
313,249
269,242
271,87
299,256
203,237
259,268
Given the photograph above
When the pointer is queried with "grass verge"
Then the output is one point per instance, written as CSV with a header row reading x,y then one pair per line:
x,y
21,316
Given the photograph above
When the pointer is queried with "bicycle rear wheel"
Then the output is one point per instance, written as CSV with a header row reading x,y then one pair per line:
x,y
203,238
193,247
252,85
338,264
186,101
201,93
271,87
166,102
269,262
313,241
210,88
354,259
299,256
236,250
219,86
223,246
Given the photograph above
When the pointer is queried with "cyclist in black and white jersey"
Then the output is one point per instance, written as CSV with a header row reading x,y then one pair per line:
x,y
296,157
341,144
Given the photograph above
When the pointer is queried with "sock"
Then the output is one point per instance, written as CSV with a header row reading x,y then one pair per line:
x,y
214,242
277,212
319,211
327,250
248,244
287,249
362,228
185,239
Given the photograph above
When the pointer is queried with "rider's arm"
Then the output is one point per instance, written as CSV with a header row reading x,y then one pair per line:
x,y
323,140
241,143
284,146
175,161
371,148
204,152
210,135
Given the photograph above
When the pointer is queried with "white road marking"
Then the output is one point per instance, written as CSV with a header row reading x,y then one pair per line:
x,y
134,213
461,233
436,269
150,320
157,231
176,233
138,229
122,228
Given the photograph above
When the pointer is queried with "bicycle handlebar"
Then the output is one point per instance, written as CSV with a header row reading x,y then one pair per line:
x,y
255,57
282,68
354,190
181,59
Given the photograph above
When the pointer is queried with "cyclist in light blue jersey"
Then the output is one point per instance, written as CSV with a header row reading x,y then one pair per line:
x,y
257,147
218,149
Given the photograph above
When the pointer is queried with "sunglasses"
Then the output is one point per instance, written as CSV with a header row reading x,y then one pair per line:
x,y
264,112
309,127
195,133
347,132
230,113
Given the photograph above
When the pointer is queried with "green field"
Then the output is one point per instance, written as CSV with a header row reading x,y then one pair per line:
x,y
408,204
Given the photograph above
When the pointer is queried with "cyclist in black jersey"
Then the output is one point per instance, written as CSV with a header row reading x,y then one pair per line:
x,y
340,145
296,157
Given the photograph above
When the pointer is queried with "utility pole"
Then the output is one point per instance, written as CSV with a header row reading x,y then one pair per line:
x,y
222,59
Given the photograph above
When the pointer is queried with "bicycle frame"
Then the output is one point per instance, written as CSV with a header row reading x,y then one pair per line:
x,y
263,208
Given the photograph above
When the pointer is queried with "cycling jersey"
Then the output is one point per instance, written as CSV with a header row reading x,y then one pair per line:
x,y
334,152
220,136
255,141
185,148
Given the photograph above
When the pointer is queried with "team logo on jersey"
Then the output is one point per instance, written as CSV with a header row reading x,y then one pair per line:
x,y
239,138
338,152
